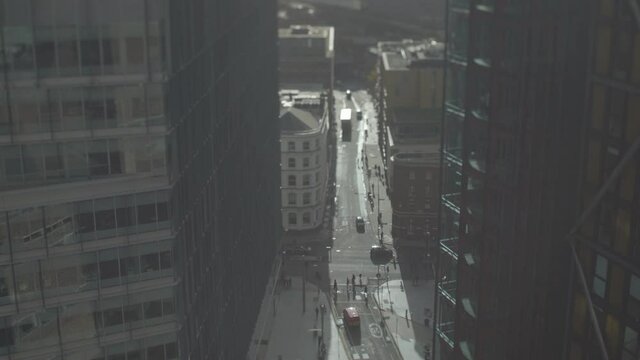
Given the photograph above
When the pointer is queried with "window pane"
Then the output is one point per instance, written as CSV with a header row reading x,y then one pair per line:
x,y
634,287
59,225
150,262
75,155
152,309
601,266
105,217
94,108
98,158
68,57
72,110
89,51
33,162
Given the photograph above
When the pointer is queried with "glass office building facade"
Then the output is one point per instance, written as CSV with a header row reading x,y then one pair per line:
x,y
514,96
608,243
122,123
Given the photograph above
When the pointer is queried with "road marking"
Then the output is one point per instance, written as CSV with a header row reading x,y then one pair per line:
x,y
375,330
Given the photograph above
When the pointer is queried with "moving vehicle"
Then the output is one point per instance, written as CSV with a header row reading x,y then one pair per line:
x,y
351,316
345,121
380,255
360,224
348,94
359,115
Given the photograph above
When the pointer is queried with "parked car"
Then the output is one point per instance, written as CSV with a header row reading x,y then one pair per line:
x,y
359,114
351,317
360,224
348,94
297,250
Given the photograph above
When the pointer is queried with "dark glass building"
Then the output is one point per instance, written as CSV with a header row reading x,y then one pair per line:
x,y
515,95
608,243
139,176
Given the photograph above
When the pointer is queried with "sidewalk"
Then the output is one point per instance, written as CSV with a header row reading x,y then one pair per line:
x,y
292,334
404,314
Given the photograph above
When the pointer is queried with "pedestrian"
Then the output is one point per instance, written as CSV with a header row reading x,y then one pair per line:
x,y
406,314
335,285
360,277
394,263
387,268
347,283
317,311
353,279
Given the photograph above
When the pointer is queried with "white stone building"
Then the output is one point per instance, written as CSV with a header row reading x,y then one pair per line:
x,y
304,159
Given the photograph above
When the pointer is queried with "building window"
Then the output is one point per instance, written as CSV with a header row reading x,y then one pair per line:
x,y
428,175
306,198
306,218
317,143
305,146
631,344
306,179
292,180
305,162
412,175
293,219
291,146
292,162
292,199
633,304
600,277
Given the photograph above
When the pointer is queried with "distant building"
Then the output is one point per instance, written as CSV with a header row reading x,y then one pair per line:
x,y
349,4
306,56
410,96
304,125
413,180
412,73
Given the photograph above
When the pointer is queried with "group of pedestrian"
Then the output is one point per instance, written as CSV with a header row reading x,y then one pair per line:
x,y
286,282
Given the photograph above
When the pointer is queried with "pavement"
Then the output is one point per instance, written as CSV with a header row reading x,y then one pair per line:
x,y
405,309
293,334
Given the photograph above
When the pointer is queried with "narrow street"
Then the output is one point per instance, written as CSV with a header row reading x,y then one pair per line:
x,y
349,257
338,253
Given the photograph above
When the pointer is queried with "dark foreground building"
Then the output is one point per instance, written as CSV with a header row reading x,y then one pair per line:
x,y
515,94
139,176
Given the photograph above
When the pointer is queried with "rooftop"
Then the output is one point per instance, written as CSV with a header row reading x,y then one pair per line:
x,y
306,40
408,54
297,120
431,156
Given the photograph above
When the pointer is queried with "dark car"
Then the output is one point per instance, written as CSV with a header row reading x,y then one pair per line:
x,y
380,255
359,114
297,251
348,94
360,224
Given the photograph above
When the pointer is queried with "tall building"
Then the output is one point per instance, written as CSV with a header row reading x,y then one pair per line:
x,y
608,243
410,98
138,171
304,126
515,93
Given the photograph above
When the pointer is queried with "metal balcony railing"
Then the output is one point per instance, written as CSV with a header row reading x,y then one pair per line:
x,y
446,332
448,290
450,247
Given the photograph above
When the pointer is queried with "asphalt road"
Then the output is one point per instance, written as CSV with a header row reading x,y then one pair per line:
x,y
341,252
350,253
